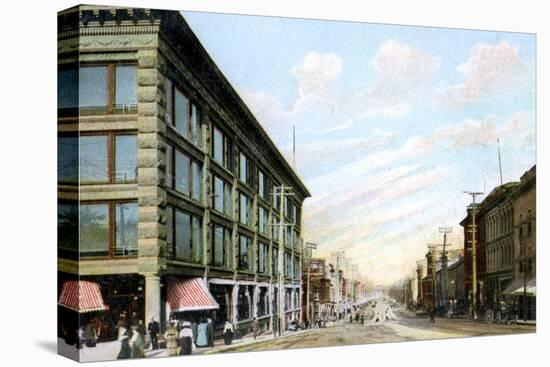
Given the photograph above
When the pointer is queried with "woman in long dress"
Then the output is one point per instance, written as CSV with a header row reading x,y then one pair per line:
x,y
171,336
186,339
136,343
124,336
228,333
202,340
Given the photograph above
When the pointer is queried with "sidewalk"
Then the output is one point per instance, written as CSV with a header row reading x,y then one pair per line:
x,y
219,344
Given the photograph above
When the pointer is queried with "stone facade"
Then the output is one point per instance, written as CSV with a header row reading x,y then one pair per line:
x,y
164,51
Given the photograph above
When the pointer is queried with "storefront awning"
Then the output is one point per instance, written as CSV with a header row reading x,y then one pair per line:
x,y
516,288
189,295
81,296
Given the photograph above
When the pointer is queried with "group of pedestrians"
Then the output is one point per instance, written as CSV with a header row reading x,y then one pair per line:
x,y
131,336
182,336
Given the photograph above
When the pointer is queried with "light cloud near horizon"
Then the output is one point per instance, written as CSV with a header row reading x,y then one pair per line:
x,y
379,181
390,129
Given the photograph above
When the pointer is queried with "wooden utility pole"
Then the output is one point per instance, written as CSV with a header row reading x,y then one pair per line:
x,y
473,231
281,192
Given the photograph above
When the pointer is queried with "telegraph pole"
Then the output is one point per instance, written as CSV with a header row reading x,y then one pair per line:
x,y
281,192
473,230
311,246
431,265
444,259
338,255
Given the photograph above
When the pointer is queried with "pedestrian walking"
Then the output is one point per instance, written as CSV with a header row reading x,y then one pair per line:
x,y
255,328
362,319
228,333
186,338
89,335
195,331
124,335
432,314
171,336
136,343
210,332
202,338
153,329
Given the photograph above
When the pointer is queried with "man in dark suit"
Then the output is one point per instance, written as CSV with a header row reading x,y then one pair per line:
x,y
153,329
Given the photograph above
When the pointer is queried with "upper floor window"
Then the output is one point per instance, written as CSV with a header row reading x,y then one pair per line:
x,y
221,148
107,89
67,89
67,228
109,158
275,261
97,221
261,261
245,246
263,216
187,236
221,196
222,246
183,114
276,196
245,208
184,174
245,169
263,188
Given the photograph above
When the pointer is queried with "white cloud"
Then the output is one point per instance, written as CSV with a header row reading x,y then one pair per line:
x,y
317,73
489,69
402,72
519,128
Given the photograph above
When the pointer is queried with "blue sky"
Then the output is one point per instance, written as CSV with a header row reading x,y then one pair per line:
x,y
392,122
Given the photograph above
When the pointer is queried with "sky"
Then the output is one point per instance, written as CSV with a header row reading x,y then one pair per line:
x,y
393,123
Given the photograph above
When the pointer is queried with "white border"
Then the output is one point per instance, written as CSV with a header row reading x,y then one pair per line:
x,y
29,188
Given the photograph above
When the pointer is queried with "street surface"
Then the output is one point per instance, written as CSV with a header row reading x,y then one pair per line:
x,y
393,325
406,329
402,326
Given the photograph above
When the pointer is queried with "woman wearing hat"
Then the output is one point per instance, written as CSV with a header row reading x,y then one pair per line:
x,y
186,338
171,336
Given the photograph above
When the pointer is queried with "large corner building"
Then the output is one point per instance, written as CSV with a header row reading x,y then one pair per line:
x,y
170,199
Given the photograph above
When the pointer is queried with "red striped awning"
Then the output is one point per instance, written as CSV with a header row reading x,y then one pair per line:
x,y
189,295
81,296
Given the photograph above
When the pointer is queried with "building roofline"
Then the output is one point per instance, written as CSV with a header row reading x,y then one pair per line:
x,y
234,97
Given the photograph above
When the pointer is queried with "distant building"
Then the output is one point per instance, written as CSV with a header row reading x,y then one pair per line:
x,y
525,234
505,247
